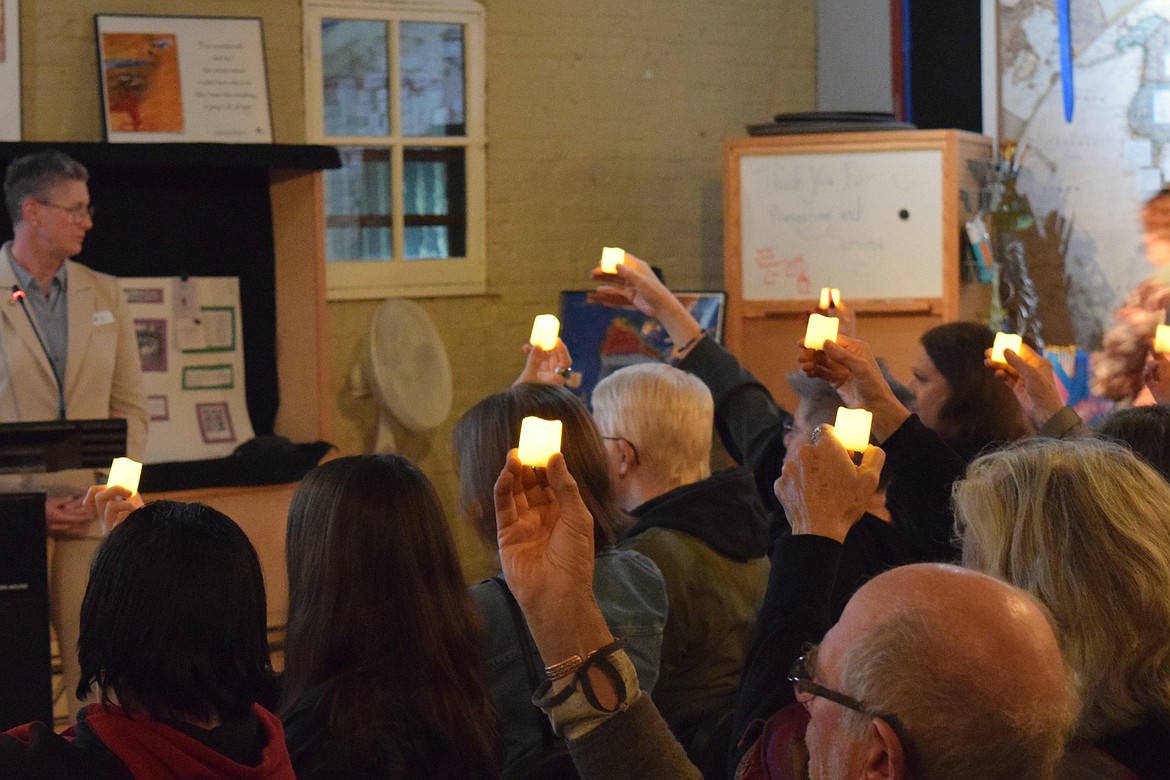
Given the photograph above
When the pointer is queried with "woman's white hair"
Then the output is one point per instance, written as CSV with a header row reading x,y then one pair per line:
x,y
667,414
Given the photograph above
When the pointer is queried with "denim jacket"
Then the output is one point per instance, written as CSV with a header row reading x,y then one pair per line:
x,y
632,596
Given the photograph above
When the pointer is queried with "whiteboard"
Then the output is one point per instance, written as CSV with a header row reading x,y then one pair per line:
x,y
868,223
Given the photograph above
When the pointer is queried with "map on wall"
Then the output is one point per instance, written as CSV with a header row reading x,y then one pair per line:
x,y
1088,178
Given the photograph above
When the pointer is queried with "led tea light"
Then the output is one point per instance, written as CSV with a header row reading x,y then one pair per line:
x,y
1162,339
852,428
539,439
830,296
545,329
125,473
611,258
820,329
1005,341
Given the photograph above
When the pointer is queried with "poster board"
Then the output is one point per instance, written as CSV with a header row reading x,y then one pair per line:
x,y
192,79
602,339
192,353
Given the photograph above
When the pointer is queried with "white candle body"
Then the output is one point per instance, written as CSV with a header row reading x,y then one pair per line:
x,y
125,473
830,296
1005,341
611,258
1162,339
820,329
852,428
539,439
545,329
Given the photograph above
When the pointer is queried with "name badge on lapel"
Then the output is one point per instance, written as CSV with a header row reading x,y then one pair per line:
x,y
104,317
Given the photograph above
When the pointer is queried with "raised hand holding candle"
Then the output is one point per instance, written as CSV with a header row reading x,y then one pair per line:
x,y
1162,339
830,296
125,473
852,428
820,329
611,258
545,329
539,439
1005,341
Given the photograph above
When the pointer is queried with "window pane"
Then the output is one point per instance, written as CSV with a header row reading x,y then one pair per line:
x,y
434,203
357,206
431,57
357,80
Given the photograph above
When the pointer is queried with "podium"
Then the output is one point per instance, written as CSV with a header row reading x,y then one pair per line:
x,y
26,688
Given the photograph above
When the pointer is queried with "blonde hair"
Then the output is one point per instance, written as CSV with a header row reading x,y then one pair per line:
x,y
667,414
1083,526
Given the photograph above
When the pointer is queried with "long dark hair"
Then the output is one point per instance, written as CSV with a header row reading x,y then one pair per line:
x,y
486,432
174,618
380,615
981,410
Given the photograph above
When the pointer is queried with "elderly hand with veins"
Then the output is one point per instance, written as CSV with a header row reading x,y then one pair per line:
x,y
823,492
849,366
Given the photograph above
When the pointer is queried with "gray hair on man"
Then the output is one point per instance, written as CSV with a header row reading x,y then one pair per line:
x,y
35,175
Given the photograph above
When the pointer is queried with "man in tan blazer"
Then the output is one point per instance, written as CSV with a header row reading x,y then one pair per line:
x,y
84,365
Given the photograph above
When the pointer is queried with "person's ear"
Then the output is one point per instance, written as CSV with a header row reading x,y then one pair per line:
x,y
28,211
627,459
884,758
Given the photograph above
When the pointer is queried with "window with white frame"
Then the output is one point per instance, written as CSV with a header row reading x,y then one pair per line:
x,y
398,87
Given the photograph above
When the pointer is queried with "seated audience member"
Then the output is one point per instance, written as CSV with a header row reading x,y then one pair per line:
x,y
1143,429
174,644
876,542
1118,366
911,682
626,584
384,675
957,395
756,431
1082,526
923,464
707,534
750,424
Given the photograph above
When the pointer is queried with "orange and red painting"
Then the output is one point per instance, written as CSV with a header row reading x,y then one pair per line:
x,y
143,90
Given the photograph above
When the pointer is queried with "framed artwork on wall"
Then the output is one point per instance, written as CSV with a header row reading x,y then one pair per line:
x,y
10,70
183,79
602,339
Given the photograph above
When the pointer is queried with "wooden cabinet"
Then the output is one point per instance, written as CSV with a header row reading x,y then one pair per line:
x,y
878,215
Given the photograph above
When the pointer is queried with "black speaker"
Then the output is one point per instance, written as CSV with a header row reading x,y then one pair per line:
x,y
26,686
941,63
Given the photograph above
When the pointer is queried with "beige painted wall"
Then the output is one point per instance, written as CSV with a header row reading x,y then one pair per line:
x,y
605,125
59,61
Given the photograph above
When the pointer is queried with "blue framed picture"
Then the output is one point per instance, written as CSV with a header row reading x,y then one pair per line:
x,y
603,339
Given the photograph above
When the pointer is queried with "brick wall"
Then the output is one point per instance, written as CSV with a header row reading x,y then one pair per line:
x,y
605,124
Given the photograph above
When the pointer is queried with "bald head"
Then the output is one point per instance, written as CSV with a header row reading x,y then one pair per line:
x,y
969,664
977,622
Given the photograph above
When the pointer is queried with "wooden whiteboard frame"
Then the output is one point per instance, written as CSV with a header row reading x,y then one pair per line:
x,y
955,145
